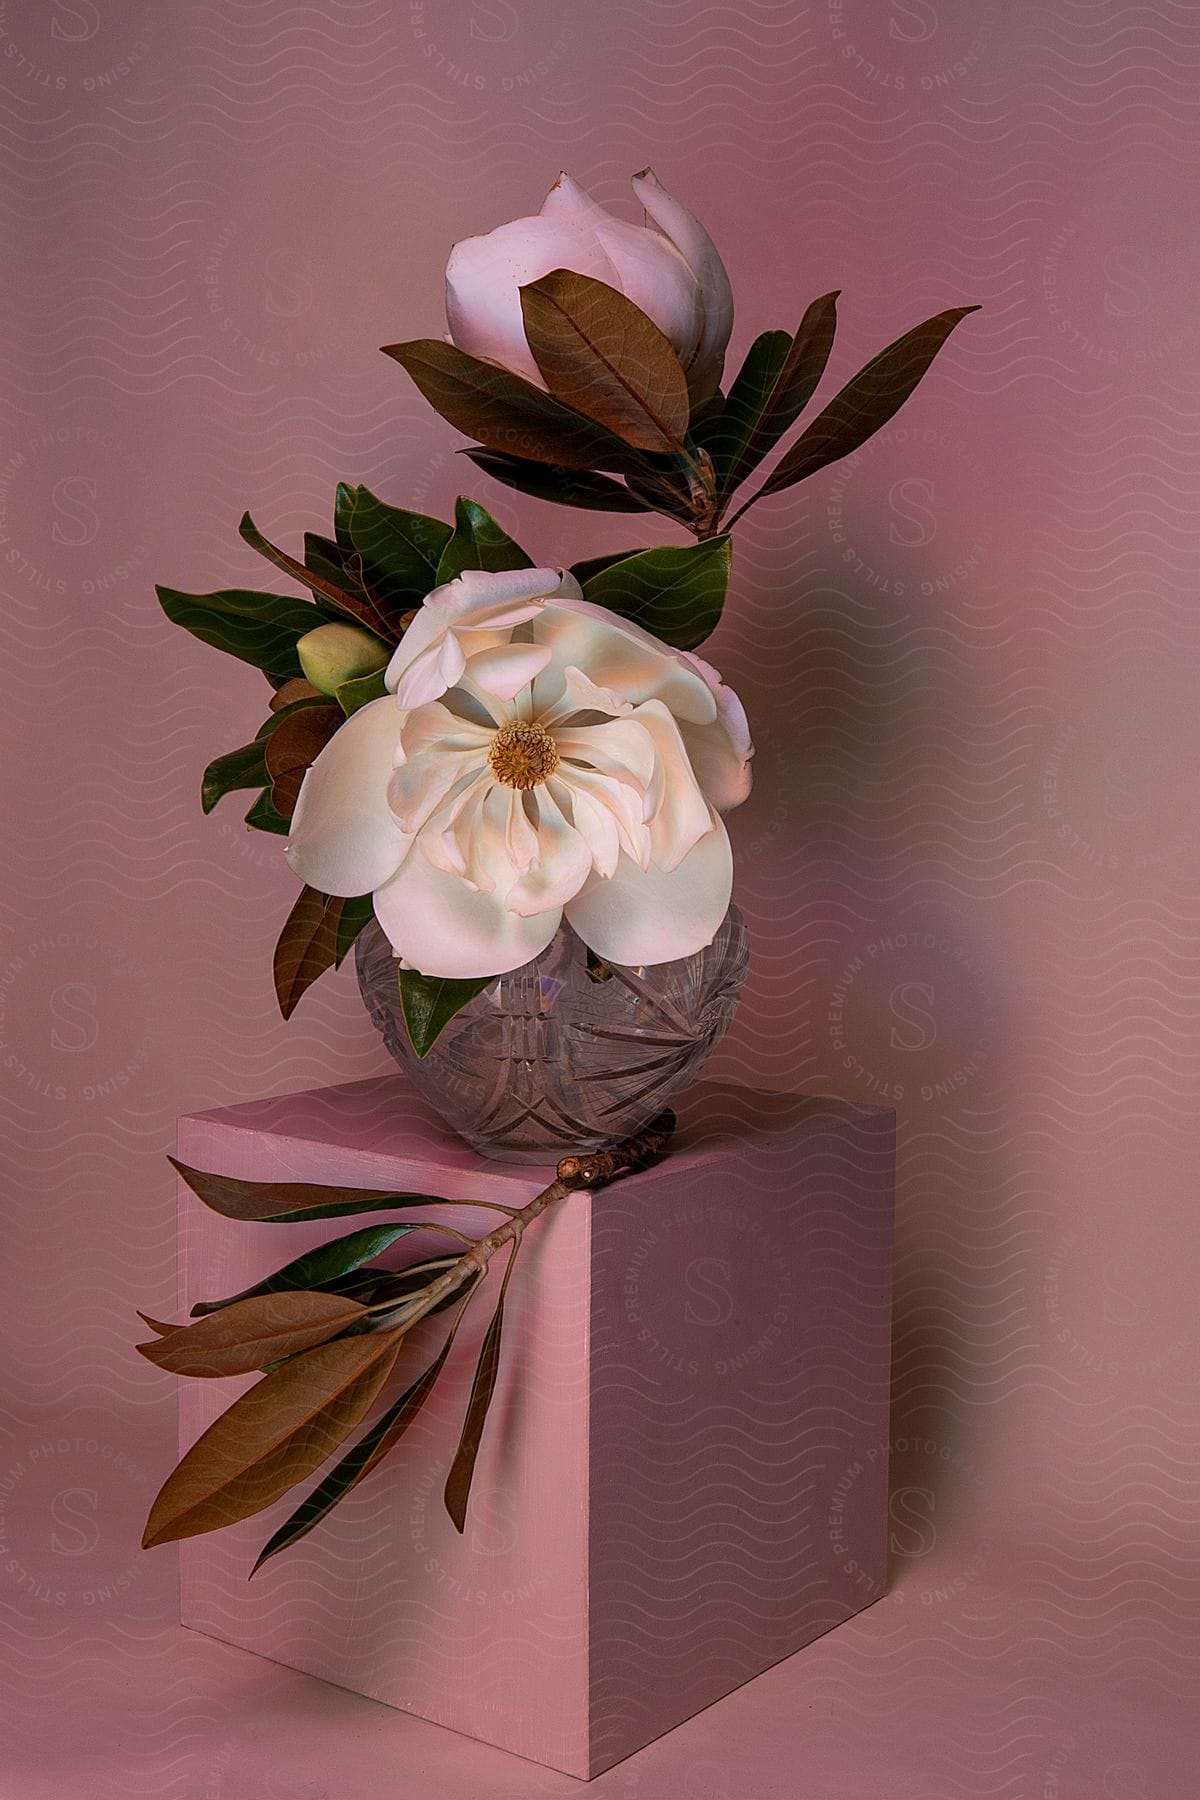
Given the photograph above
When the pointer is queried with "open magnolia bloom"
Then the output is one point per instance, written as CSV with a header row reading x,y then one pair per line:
x,y
535,756
671,269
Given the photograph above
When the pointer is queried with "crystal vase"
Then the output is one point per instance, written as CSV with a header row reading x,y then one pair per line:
x,y
565,1053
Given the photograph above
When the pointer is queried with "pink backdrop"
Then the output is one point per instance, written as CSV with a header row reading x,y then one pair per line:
x,y
970,865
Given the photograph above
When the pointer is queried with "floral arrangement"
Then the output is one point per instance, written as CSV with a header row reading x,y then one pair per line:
x,y
469,747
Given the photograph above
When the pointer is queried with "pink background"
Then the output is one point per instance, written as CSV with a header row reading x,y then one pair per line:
x,y
970,865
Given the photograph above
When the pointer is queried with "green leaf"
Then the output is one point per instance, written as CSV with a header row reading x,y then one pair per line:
x,y
775,384
262,629
592,565
600,354
338,1257
505,412
340,600
400,550
370,1450
244,768
546,481
675,592
355,915
326,559
458,1482
360,691
478,543
294,1202
431,1001
865,404
263,816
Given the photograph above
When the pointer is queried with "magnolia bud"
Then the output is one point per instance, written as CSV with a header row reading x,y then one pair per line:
x,y
335,653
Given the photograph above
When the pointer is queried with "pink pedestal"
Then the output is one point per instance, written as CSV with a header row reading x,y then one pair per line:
x,y
683,1475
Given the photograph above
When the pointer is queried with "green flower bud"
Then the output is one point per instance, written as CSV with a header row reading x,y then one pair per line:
x,y
335,653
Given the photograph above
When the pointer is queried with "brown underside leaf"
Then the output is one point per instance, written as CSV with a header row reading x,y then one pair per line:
x,y
308,945
291,691
866,403
294,746
506,412
156,1324
600,354
288,1202
358,1462
272,1437
249,1334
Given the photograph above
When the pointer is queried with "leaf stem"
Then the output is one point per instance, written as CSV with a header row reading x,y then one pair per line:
x,y
573,1173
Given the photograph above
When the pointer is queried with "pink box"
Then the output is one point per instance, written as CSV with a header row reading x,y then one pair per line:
x,y
683,1477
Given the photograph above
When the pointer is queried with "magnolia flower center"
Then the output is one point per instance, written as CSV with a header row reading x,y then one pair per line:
x,y
523,754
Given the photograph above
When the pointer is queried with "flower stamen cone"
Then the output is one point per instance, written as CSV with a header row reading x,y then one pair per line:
x,y
523,754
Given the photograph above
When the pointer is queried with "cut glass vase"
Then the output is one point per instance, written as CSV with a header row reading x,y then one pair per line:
x,y
566,1053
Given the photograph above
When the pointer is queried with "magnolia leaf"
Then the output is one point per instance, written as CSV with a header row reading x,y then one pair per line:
x,y
676,592
294,745
360,691
293,692
340,1256
290,1202
546,481
273,1436
600,354
261,629
370,1450
774,385
244,768
865,404
506,412
353,605
312,940
431,1001
478,543
458,1482
309,697
355,914
252,1332
399,550
325,558
592,565
157,1324
264,817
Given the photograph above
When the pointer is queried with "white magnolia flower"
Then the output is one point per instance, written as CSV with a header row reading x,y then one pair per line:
x,y
535,756
670,269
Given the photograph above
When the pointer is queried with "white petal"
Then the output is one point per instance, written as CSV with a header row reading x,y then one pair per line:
x,y
477,610
505,669
652,916
344,838
621,748
579,694
621,802
429,675
616,654
676,810
484,274
440,926
421,783
564,862
595,822
703,258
